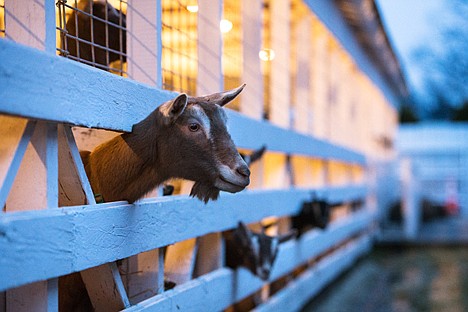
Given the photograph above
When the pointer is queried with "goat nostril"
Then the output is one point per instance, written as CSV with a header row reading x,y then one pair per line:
x,y
244,170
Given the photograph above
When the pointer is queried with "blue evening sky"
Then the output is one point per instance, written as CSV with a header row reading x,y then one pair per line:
x,y
410,23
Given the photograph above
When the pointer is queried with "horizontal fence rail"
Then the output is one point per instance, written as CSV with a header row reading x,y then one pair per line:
x,y
215,290
53,242
118,103
315,279
49,243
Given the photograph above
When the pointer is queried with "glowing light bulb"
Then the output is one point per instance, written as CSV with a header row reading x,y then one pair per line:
x,y
225,25
192,8
266,55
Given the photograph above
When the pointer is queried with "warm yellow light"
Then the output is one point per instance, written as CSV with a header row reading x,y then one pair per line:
x,y
192,8
225,25
266,55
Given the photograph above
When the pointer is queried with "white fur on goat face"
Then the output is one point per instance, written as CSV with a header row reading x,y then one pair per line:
x,y
198,131
255,251
266,250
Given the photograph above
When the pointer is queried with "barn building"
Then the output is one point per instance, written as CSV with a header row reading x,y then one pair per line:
x,y
323,85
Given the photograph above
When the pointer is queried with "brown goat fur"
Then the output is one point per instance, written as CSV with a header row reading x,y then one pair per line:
x,y
183,138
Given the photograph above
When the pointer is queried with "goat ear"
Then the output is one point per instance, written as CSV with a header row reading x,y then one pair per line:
x,y
243,234
171,110
222,98
285,237
257,154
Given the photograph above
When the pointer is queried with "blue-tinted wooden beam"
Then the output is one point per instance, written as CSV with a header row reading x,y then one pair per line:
x,y
217,290
36,85
49,243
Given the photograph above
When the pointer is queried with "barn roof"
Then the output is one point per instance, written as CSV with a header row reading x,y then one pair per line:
x,y
364,19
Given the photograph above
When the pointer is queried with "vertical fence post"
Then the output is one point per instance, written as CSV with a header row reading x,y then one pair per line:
x,y
32,22
318,75
209,78
410,203
252,96
144,41
252,100
280,76
302,81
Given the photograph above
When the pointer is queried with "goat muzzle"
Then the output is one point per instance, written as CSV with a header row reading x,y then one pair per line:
x,y
233,181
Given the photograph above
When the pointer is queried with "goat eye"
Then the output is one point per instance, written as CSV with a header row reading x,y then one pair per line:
x,y
194,127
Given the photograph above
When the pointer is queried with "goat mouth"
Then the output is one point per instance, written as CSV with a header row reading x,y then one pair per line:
x,y
228,185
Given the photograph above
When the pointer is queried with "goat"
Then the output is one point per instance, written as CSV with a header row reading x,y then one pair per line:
x,y
183,138
255,251
169,189
79,26
315,213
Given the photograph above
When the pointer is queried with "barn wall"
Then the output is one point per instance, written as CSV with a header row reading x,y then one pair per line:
x,y
312,99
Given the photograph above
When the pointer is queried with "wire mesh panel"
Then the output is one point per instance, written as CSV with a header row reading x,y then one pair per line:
x,y
93,32
2,18
179,45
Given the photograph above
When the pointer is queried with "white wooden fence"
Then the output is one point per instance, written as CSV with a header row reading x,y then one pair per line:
x,y
40,245
40,241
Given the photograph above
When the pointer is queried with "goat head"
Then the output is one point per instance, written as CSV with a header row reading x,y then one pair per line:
x,y
255,251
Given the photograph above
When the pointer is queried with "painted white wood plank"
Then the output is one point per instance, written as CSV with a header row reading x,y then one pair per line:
x,y
29,191
210,254
143,41
71,191
88,139
252,96
281,140
211,292
180,261
51,163
12,151
105,288
110,101
313,280
72,231
75,153
31,22
302,82
209,74
219,289
142,274
118,103
280,11
11,131
55,242
52,295
160,281
318,78
276,175
294,253
314,243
